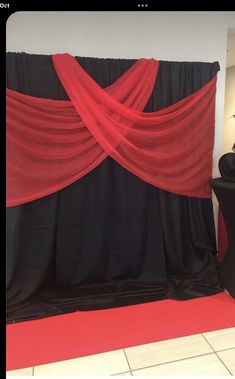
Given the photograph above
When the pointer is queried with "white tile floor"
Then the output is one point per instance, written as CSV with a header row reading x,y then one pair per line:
x,y
208,354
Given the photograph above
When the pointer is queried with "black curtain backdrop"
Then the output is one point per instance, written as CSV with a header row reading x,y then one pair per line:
x,y
109,239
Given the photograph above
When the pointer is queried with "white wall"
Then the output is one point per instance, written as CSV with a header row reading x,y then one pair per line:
x,y
231,48
174,36
229,109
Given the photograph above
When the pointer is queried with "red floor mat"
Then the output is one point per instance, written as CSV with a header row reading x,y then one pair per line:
x,y
77,334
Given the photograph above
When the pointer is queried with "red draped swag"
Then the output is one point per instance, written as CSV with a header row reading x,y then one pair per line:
x,y
52,143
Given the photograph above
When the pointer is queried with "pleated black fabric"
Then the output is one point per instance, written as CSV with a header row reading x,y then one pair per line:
x,y
109,239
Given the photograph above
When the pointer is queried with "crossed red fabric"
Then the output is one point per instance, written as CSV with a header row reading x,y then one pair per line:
x,y
52,143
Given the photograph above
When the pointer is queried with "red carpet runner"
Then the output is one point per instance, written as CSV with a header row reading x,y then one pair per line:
x,y
78,334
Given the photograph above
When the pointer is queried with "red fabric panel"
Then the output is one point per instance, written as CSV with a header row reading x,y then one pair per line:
x,y
52,143
48,145
222,237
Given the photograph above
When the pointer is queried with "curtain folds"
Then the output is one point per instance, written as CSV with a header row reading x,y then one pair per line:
x,y
109,239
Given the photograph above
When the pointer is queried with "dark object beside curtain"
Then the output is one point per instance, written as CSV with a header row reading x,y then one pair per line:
x,y
225,193
227,167
222,237
110,239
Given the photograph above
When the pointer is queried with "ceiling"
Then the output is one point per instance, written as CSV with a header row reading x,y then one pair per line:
x,y
231,48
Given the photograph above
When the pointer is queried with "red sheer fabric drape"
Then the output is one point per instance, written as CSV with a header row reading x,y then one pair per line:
x,y
52,143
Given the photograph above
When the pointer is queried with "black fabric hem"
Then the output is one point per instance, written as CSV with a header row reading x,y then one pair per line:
x,y
115,294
